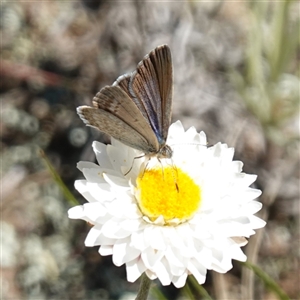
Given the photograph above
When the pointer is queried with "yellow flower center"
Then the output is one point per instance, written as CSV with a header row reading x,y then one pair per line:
x,y
167,192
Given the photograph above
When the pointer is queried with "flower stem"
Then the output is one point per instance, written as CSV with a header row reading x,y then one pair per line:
x,y
144,288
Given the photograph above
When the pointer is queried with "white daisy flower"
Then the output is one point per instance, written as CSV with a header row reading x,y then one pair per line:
x,y
173,217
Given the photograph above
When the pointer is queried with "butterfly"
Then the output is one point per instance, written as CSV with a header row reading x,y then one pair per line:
x,y
137,108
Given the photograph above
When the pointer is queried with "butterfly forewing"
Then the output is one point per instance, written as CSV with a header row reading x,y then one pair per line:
x,y
152,85
124,82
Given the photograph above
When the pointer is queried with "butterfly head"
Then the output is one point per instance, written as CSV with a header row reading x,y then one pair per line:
x,y
164,152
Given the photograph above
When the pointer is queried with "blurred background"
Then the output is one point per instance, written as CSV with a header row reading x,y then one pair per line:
x,y
236,76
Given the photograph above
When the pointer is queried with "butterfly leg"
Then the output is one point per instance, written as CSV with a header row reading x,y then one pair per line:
x,y
133,163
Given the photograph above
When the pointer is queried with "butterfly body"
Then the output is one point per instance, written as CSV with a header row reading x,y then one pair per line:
x,y
136,109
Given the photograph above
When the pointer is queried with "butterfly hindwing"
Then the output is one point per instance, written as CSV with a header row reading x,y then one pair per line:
x,y
116,114
111,125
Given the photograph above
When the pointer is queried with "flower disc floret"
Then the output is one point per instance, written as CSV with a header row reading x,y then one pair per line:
x,y
168,192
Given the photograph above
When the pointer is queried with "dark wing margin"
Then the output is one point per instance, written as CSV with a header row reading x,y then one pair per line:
x,y
123,82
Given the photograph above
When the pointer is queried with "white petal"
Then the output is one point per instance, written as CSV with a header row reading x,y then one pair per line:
x,y
219,269
134,269
204,258
227,157
237,167
174,259
106,250
240,241
76,212
250,208
86,165
248,179
186,237
171,235
162,273
113,229
93,175
251,194
118,156
151,275
122,207
94,211
101,155
197,270
82,187
221,260
123,253
192,134
176,129
257,222
138,240
100,192
92,236
237,253
203,140
117,182
153,234
151,257
102,240
131,225
98,175
179,281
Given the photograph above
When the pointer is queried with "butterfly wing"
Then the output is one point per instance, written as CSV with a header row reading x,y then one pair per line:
x,y
136,109
151,87
117,115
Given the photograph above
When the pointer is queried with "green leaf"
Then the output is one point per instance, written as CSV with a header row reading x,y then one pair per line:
x,y
66,192
200,289
267,280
